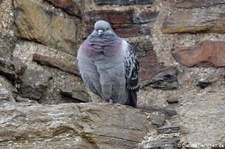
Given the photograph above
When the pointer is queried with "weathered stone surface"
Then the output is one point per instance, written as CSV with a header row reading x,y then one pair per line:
x,y
147,16
158,119
167,143
168,130
124,2
7,45
143,48
7,24
34,84
68,6
165,111
60,79
212,52
9,91
197,3
148,67
72,126
165,79
49,61
7,69
194,21
6,95
123,22
132,30
12,70
172,100
203,84
37,24
202,119
79,95
25,100
20,68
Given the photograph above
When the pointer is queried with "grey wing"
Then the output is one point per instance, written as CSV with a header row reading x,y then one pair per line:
x,y
131,75
90,85
90,79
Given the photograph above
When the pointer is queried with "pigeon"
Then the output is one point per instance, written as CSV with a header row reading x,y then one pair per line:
x,y
108,66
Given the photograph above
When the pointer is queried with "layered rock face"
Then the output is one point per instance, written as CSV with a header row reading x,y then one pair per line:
x,y
72,126
180,47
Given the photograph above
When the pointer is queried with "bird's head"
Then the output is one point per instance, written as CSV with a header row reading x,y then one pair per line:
x,y
103,27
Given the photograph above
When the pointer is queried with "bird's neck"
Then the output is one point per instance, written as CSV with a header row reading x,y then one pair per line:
x,y
104,44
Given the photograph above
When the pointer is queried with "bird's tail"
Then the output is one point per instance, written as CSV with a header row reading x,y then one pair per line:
x,y
132,98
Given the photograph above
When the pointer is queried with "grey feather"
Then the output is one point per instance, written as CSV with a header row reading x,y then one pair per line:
x,y
132,68
108,65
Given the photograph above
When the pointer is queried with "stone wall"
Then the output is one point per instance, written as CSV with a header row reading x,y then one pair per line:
x,y
180,45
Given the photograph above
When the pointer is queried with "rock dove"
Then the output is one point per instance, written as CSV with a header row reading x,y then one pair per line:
x,y
108,65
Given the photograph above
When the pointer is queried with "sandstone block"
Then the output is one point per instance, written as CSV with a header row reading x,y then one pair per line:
x,y
165,79
148,67
12,70
147,16
57,63
37,24
212,52
197,3
34,84
133,30
72,126
124,2
194,21
68,6
7,45
78,95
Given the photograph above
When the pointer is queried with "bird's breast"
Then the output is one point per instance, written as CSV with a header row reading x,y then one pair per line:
x,y
100,48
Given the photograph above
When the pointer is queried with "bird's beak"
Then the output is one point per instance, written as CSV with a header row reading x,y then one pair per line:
x,y
100,32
